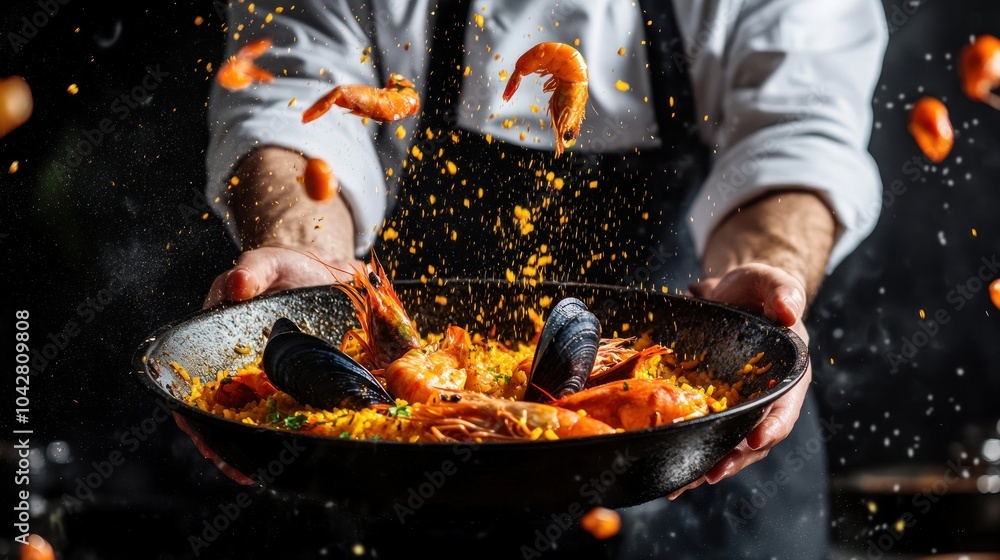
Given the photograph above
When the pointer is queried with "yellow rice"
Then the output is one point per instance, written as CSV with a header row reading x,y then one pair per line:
x,y
492,371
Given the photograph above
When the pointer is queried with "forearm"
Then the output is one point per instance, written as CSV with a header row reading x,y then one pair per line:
x,y
793,230
271,208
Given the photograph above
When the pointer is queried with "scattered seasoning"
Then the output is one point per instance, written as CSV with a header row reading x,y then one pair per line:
x,y
73,89
622,86
198,20
14,166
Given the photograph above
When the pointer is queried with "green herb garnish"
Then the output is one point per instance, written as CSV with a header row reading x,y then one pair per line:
x,y
273,417
624,385
344,435
295,422
400,411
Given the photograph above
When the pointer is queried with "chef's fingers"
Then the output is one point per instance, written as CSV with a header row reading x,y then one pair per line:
x,y
675,494
208,453
703,288
770,431
758,288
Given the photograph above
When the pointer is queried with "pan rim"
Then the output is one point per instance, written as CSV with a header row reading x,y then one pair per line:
x,y
141,365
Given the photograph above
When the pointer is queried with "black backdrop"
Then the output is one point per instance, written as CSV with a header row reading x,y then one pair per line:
x,y
127,226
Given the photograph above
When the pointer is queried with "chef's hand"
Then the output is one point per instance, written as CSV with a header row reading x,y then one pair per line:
x,y
269,269
779,296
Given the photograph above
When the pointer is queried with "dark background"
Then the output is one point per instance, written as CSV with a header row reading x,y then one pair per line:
x,y
130,217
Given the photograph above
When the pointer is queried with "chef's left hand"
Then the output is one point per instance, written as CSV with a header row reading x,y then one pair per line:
x,y
781,297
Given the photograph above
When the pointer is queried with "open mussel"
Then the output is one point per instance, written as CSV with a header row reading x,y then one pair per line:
x,y
316,373
565,354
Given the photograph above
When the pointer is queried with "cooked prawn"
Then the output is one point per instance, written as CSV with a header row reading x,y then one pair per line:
x,y
397,100
241,70
388,330
421,374
568,86
637,403
469,416
616,362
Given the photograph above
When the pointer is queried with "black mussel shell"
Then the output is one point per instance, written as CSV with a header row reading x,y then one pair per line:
x,y
316,373
567,348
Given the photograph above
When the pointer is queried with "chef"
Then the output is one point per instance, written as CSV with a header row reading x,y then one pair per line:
x,y
723,151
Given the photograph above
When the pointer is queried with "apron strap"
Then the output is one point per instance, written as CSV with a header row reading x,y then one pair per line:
x,y
446,55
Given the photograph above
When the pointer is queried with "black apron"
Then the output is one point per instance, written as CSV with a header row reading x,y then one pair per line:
x,y
629,230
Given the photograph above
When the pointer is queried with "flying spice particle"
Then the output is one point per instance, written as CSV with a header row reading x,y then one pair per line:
x,y
14,166
292,102
73,89
400,132
975,233
480,20
199,20
922,314
503,74
621,86
621,51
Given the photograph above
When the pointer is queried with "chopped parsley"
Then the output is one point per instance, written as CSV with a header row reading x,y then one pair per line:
x,y
344,435
400,411
624,385
295,422
273,417
375,437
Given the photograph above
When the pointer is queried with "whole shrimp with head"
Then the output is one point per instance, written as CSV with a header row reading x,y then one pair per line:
x,y
568,84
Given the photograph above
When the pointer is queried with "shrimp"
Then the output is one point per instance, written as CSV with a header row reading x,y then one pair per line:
x,y
397,100
637,403
931,128
468,416
568,85
236,392
616,362
240,70
420,374
979,67
389,333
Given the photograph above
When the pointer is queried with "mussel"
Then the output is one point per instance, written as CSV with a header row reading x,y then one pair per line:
x,y
565,354
316,373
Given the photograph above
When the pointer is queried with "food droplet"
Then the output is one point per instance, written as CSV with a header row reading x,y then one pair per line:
x,y
37,548
318,179
922,314
995,293
621,51
621,86
16,103
979,68
198,20
601,522
931,127
73,89
14,166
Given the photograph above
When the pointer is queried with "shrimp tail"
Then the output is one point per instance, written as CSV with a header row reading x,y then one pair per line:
x,y
324,104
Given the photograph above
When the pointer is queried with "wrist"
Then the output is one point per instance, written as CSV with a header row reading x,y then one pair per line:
x,y
272,209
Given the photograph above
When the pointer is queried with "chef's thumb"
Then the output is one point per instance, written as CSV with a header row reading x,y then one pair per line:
x,y
254,273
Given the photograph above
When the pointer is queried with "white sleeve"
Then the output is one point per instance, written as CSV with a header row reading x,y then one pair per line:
x,y
788,97
315,36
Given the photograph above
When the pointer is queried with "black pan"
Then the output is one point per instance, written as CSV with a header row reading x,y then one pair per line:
x,y
387,480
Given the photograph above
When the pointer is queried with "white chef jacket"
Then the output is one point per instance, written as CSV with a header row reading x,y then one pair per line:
x,y
782,90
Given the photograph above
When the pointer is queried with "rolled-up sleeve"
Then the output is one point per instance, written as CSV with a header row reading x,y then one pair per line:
x,y
315,46
790,100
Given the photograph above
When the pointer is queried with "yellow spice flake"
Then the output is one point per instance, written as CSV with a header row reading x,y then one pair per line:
x,y
467,71
510,275
593,184
621,51
389,234
14,166
545,302
441,300
452,168
622,86
534,108
199,20
73,89
269,18
480,20
400,132
503,74
292,102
